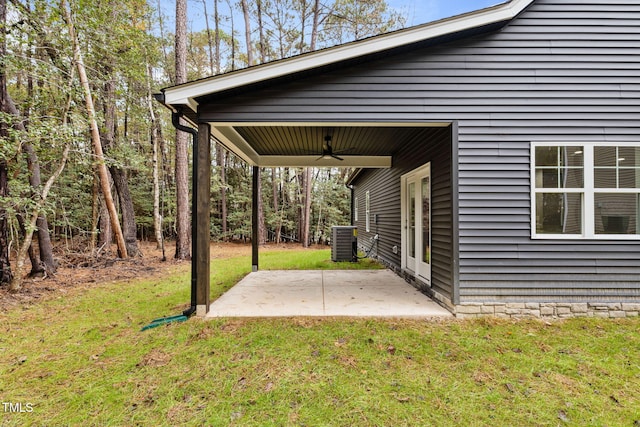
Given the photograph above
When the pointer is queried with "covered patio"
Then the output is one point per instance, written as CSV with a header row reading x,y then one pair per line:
x,y
331,293
321,109
289,144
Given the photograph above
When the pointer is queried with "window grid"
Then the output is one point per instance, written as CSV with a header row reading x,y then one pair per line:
x,y
595,223
617,167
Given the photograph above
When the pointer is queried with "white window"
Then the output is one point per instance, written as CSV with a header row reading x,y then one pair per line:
x,y
585,190
367,212
355,210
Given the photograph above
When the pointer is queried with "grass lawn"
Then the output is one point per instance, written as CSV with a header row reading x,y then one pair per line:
x,y
82,360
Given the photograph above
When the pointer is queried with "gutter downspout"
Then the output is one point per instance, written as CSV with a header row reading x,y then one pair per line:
x,y
175,120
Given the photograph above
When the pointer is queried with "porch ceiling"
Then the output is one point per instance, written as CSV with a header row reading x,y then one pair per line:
x,y
361,145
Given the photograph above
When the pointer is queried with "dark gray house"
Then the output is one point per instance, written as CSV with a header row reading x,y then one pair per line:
x,y
497,152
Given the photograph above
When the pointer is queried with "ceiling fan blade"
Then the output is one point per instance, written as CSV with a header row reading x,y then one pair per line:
x,y
337,157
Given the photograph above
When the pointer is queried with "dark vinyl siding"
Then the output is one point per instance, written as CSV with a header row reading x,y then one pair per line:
x,y
562,71
432,145
570,73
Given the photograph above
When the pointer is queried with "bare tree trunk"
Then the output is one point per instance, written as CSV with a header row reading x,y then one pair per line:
x,y
129,228
183,229
263,47
233,32
316,23
274,190
95,136
46,246
37,268
209,39
45,258
220,159
303,24
307,206
247,31
6,276
16,283
318,224
216,18
119,176
164,48
95,213
43,262
286,195
300,203
262,229
154,134
104,224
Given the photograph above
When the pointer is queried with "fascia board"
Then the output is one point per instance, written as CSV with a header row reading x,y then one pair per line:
x,y
185,94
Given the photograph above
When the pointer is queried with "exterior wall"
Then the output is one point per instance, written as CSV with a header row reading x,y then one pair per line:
x,y
384,191
562,71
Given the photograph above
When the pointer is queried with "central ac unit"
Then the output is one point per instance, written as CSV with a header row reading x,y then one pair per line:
x,y
344,243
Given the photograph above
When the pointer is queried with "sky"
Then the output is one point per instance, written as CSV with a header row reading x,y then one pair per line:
x,y
416,11
421,11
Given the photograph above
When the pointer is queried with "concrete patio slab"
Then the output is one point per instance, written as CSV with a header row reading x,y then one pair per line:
x,y
351,293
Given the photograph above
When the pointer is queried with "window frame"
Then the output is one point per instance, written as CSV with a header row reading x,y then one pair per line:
x,y
355,209
588,192
367,209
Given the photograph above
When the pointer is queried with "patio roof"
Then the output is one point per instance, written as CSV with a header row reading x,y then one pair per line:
x,y
187,94
361,145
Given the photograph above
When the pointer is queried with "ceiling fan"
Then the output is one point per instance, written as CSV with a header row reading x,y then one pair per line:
x,y
327,150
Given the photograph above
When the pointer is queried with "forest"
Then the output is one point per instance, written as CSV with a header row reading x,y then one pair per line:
x,y
90,162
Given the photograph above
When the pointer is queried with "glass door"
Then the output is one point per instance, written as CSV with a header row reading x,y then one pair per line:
x,y
417,237
411,225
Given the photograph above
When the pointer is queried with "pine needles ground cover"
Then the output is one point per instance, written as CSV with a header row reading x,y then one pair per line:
x,y
82,360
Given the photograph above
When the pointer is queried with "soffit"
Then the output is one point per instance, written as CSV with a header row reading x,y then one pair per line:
x,y
358,144
305,140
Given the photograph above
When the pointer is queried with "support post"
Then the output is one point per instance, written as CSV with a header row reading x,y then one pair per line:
x,y
202,192
254,221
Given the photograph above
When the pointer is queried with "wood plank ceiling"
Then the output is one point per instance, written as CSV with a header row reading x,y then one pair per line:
x,y
346,140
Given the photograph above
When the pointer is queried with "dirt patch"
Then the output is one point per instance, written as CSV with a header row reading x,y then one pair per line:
x,y
78,270
155,358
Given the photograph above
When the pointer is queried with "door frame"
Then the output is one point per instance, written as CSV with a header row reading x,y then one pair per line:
x,y
415,175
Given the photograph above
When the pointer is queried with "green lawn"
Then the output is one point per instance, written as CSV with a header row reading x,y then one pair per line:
x,y
82,360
